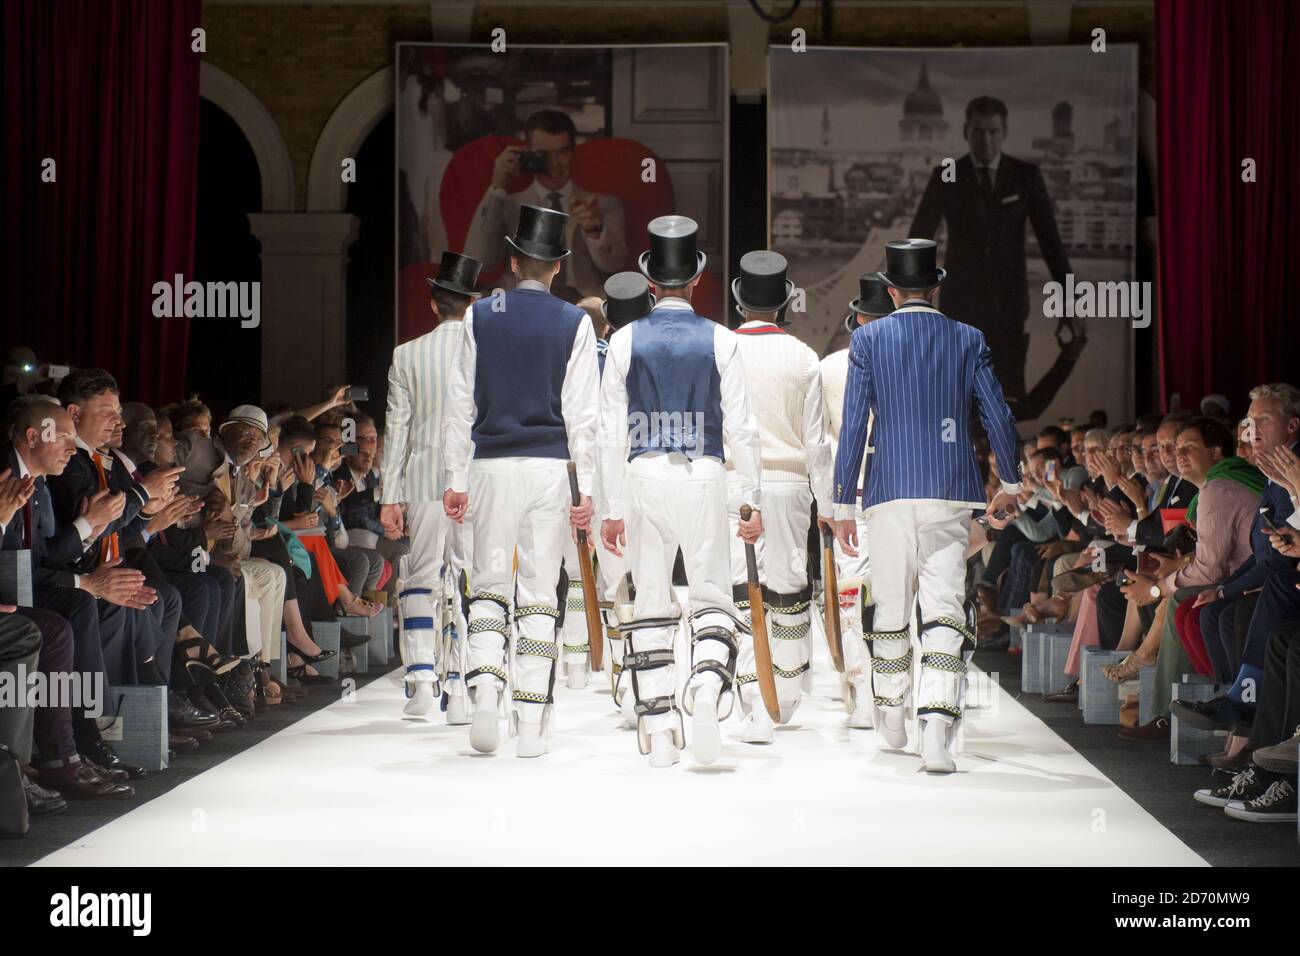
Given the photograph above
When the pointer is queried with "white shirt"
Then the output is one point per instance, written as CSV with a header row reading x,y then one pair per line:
x,y
577,401
739,433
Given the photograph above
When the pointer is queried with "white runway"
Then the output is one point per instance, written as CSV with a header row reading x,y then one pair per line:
x,y
354,784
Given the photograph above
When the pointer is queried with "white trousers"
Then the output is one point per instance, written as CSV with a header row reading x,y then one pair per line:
x,y
920,559
517,506
675,503
263,607
611,577
430,597
851,575
782,557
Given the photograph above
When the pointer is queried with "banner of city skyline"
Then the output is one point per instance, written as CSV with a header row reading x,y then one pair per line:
x,y
1038,185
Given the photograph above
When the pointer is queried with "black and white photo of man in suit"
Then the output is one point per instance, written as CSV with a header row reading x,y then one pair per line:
x,y
985,208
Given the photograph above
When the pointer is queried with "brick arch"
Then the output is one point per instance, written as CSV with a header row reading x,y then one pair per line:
x,y
259,127
344,132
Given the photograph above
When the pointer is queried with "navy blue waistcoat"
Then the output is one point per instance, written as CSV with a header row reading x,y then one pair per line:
x,y
522,354
674,392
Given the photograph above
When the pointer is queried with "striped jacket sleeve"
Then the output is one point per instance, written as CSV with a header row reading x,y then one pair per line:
x,y
397,432
997,418
859,397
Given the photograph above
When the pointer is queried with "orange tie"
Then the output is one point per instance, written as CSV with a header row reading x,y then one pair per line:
x,y
108,543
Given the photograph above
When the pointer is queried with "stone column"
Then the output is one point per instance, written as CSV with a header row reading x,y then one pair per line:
x,y
304,301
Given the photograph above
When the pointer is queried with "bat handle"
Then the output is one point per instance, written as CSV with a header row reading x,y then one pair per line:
x,y
751,559
577,496
573,484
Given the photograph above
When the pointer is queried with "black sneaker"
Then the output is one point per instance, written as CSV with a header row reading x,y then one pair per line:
x,y
1277,804
1246,785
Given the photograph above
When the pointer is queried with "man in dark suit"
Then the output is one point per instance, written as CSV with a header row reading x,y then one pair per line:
x,y
985,209
100,607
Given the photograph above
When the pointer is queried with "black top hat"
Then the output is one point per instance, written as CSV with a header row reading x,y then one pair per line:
x,y
540,233
912,265
627,298
456,273
762,286
873,299
672,258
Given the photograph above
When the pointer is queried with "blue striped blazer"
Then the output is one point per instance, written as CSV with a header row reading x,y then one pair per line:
x,y
920,371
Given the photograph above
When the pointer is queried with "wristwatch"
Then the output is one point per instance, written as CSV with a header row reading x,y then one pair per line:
x,y
1155,591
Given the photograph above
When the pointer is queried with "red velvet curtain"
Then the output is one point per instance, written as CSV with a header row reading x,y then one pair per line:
x,y
1229,90
108,89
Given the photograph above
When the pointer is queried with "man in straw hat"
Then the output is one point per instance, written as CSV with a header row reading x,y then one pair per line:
x,y
918,372
851,573
411,493
672,394
524,391
784,382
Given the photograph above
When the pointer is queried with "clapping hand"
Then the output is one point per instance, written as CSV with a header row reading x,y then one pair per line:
x,y
14,493
1282,466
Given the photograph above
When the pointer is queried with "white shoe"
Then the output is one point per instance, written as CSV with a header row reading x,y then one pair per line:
x,y
859,708
787,708
663,752
484,730
577,678
531,743
457,715
934,746
891,722
706,742
757,728
628,710
421,702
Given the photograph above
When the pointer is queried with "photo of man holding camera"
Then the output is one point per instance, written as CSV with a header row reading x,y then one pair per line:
x,y
594,231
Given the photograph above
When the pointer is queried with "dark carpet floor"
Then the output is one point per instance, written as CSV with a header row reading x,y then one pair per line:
x,y
1163,789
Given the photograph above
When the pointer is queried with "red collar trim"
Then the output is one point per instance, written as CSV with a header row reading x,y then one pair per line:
x,y
762,330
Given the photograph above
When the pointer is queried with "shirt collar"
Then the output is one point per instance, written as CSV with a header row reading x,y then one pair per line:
x,y
23,470
84,447
541,192
532,284
917,305
358,479
758,324
130,465
993,166
674,302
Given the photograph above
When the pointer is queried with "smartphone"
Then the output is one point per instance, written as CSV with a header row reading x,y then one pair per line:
x,y
532,161
1050,472
348,448
357,393
1268,526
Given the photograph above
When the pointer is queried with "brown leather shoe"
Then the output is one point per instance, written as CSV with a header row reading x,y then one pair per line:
x,y
1154,732
79,781
1237,762
1068,696
116,776
181,743
197,734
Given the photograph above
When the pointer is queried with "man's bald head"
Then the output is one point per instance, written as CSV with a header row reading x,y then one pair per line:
x,y
43,433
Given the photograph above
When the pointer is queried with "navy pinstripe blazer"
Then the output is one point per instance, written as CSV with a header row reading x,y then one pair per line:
x,y
919,371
